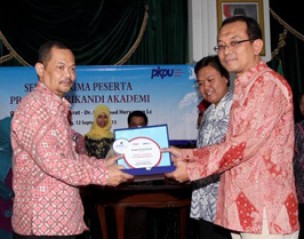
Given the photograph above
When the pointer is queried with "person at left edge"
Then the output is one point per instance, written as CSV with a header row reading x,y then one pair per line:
x,y
6,191
47,171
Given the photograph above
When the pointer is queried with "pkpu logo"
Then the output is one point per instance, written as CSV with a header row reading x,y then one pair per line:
x,y
165,72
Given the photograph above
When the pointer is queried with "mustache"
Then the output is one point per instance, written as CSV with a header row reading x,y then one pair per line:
x,y
68,80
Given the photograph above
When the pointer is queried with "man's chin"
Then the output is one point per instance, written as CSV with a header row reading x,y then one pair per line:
x,y
229,65
65,90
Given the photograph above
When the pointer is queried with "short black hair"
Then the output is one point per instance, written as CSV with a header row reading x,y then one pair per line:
x,y
44,52
137,113
254,31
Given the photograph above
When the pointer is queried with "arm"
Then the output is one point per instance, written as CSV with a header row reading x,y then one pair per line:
x,y
76,169
46,140
252,121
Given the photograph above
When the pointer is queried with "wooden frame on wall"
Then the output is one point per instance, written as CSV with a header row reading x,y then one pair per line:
x,y
203,28
250,8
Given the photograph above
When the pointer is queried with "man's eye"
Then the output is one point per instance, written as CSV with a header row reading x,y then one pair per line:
x,y
221,47
234,43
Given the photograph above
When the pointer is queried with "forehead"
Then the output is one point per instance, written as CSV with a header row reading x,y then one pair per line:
x,y
207,70
62,55
102,114
233,30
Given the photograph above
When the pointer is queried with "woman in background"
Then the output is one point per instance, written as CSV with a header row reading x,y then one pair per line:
x,y
100,138
213,82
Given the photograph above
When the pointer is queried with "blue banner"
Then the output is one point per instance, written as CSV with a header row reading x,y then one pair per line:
x,y
166,93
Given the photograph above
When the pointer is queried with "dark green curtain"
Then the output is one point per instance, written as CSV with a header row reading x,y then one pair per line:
x,y
166,36
100,32
291,55
292,60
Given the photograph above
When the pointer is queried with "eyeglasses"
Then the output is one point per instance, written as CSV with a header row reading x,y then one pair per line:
x,y
233,44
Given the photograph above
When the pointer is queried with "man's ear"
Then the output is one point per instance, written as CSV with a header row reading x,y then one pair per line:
x,y
258,46
39,67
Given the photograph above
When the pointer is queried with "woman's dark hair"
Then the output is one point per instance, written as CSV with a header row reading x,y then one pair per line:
x,y
211,61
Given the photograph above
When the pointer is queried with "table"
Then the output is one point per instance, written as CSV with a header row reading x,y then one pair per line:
x,y
166,195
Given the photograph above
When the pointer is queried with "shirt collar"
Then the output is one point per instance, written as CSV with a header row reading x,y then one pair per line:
x,y
57,101
247,77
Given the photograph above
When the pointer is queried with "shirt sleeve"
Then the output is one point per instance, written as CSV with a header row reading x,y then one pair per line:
x,y
66,164
45,138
